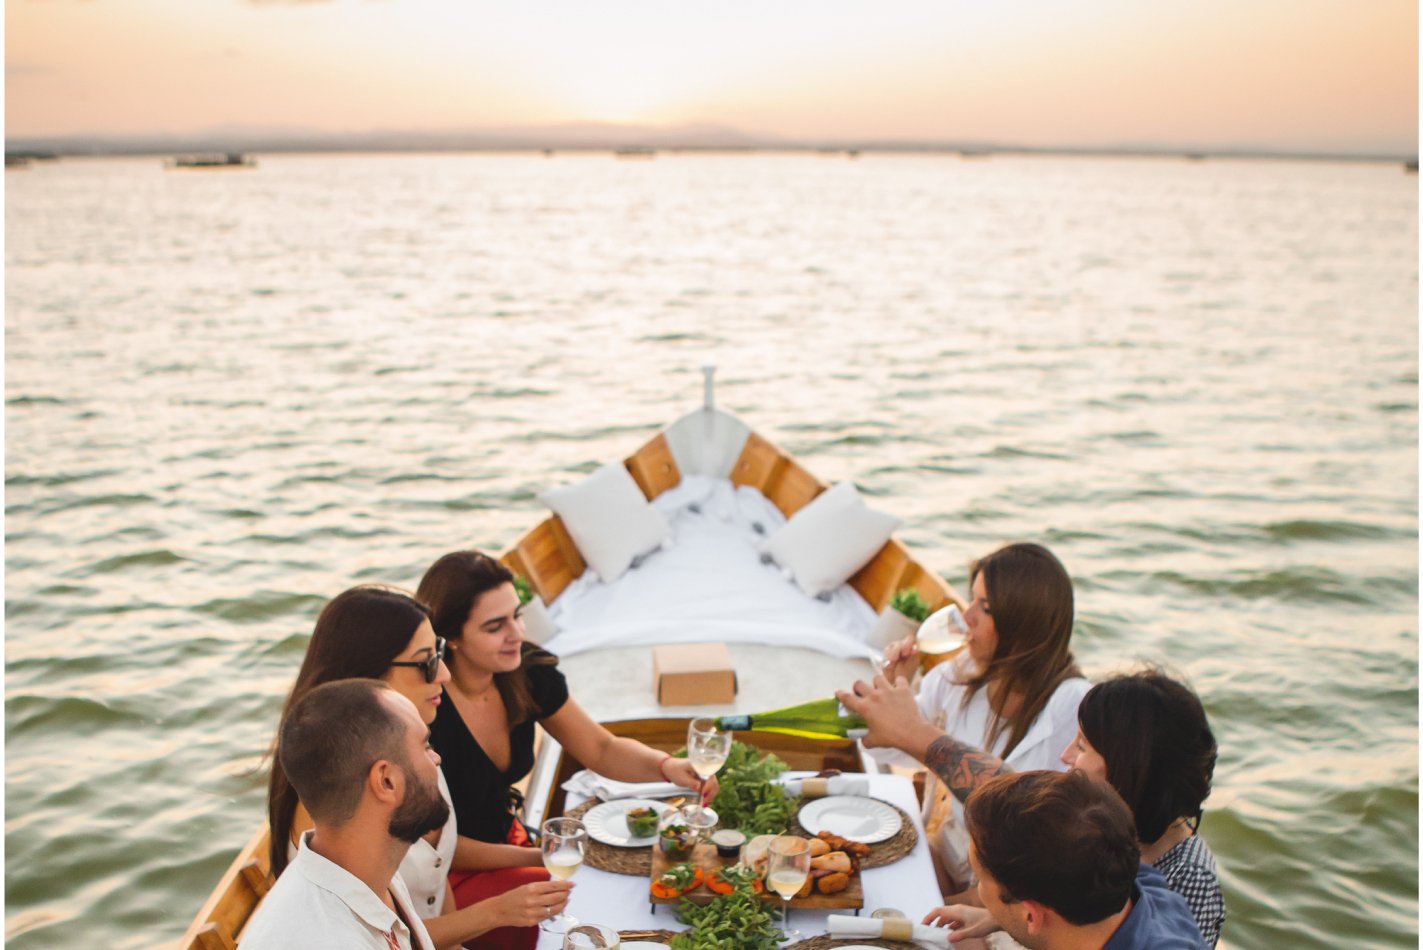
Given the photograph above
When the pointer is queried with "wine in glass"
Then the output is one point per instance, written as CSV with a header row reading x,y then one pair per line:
x,y
563,842
787,867
707,748
941,634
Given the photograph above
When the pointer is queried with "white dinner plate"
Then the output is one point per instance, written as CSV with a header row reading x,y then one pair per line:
x,y
608,822
642,945
866,820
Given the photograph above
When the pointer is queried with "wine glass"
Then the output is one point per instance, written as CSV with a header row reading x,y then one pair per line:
x,y
591,937
787,867
707,749
563,842
941,633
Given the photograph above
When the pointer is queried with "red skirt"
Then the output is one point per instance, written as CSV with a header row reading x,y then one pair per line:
x,y
471,887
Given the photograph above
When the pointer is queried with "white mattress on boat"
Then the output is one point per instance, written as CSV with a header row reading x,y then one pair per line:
x,y
709,584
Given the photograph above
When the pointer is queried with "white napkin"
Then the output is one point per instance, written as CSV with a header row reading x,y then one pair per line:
x,y
835,785
841,925
591,784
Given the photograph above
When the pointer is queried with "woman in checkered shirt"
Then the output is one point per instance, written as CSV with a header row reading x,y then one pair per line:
x,y
1147,735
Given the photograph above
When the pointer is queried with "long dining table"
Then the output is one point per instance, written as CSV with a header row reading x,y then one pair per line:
x,y
620,901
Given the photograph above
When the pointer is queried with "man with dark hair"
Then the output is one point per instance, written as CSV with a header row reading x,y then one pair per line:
x,y
358,755
1059,868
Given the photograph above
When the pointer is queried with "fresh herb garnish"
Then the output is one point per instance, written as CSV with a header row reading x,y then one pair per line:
x,y
679,876
748,801
735,921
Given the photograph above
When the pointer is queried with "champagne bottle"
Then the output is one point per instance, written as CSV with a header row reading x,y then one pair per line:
x,y
820,719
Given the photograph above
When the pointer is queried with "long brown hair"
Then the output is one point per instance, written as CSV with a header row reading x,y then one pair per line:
x,y
1030,595
358,634
451,588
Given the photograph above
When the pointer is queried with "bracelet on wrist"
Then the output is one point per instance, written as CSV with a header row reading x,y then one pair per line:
x,y
661,766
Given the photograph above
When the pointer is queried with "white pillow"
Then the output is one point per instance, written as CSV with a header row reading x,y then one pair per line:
x,y
609,519
829,539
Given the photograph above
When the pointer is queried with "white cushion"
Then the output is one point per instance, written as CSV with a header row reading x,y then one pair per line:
x,y
609,519
830,539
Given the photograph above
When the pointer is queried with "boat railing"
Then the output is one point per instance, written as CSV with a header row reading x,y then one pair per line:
x,y
550,560
234,900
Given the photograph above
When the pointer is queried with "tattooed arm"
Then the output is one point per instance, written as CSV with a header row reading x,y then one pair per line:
x,y
894,720
962,767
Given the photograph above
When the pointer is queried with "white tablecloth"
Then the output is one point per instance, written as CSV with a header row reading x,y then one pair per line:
x,y
620,900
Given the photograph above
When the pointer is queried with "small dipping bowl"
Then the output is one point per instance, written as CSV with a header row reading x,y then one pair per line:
x,y
889,913
728,842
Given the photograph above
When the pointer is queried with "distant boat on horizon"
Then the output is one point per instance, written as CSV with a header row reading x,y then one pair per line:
x,y
213,160
23,159
1410,167
635,152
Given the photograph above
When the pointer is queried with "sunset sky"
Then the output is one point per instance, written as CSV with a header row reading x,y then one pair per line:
x,y
1331,75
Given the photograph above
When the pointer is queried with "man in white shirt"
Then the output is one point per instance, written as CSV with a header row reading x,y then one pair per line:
x,y
358,755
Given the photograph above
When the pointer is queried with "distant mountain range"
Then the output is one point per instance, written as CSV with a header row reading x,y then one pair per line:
x,y
576,136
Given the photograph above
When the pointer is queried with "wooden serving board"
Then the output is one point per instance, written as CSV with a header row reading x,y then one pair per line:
x,y
705,857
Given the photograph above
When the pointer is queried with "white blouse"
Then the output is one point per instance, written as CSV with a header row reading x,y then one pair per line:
x,y
426,866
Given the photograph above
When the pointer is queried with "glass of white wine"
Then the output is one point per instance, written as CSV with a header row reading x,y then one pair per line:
x,y
563,842
787,867
941,634
707,749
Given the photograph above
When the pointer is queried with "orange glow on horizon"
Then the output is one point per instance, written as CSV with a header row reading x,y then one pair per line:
x,y
1288,73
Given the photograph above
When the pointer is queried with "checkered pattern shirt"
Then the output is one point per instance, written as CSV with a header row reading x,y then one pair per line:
x,y
1189,868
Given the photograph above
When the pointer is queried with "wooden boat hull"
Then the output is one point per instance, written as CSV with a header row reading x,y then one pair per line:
x,y
549,559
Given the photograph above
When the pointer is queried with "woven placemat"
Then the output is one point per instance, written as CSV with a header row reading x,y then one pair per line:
x,y
651,936
638,861
825,942
884,852
605,857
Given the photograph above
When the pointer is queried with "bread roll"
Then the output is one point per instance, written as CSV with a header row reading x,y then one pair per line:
x,y
833,883
819,846
834,861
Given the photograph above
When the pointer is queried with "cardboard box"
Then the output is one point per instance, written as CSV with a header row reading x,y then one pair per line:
x,y
693,674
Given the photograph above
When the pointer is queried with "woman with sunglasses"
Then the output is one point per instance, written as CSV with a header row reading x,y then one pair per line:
x,y
381,633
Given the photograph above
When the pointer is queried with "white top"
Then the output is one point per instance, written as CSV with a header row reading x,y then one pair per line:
x,y
941,697
319,905
941,702
620,900
426,866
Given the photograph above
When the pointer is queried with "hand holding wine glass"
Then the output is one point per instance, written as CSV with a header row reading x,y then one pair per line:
x,y
707,747
563,843
900,658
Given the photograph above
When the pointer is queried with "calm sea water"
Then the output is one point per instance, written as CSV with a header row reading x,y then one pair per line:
x,y
230,395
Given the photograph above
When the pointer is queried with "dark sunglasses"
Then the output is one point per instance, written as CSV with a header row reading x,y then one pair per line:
x,y
429,666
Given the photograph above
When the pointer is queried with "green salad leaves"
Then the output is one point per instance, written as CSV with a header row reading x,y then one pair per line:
x,y
748,801
735,921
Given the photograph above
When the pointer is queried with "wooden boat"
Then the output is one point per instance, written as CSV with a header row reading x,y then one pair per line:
x,y
706,441
215,160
